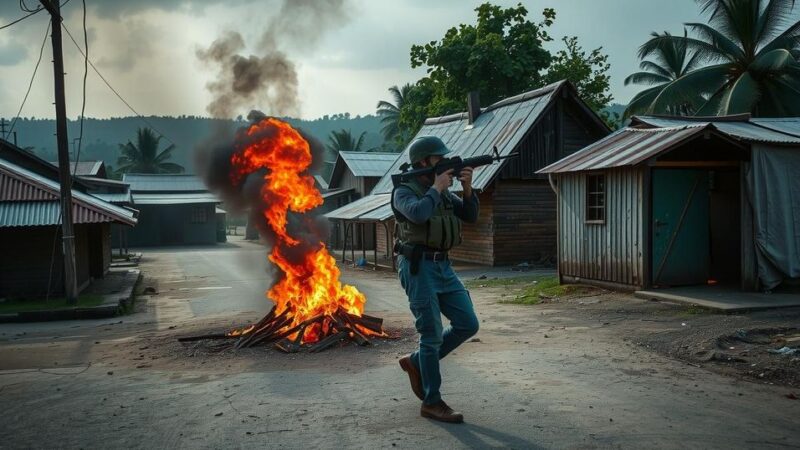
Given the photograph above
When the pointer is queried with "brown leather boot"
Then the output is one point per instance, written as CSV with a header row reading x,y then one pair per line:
x,y
413,376
441,412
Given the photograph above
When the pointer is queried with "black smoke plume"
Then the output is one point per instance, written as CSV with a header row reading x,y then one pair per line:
x,y
268,78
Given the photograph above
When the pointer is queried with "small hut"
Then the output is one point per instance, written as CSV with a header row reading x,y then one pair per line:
x,y
31,262
682,201
356,174
517,221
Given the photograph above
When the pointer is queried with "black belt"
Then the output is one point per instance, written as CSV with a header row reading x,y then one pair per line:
x,y
435,256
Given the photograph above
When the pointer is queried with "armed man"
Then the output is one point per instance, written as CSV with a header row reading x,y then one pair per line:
x,y
429,220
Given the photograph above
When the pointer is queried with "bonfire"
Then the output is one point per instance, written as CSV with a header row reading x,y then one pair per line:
x,y
312,308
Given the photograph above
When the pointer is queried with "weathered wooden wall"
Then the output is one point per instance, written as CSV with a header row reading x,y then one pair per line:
x,y
612,251
385,247
524,215
478,246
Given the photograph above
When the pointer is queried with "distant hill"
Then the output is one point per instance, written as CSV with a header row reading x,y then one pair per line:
x,y
103,136
616,108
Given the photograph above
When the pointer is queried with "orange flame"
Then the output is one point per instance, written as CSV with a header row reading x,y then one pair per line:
x,y
311,286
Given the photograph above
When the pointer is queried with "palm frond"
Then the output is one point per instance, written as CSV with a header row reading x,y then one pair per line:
x,y
646,78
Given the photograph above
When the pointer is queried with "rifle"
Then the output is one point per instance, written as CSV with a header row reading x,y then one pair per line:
x,y
445,164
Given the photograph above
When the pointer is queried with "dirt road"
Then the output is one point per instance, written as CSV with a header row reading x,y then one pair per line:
x,y
575,374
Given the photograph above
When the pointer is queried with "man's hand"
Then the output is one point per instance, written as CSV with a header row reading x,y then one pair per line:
x,y
443,181
466,181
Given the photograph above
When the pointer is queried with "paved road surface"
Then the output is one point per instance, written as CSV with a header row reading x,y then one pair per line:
x,y
535,380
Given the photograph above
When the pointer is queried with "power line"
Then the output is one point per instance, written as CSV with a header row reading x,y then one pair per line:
x,y
30,84
83,104
28,10
21,18
141,117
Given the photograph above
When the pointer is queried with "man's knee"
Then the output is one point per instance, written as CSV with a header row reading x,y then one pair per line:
x,y
471,326
430,342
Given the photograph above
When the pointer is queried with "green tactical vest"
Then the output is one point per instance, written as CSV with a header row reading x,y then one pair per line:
x,y
441,232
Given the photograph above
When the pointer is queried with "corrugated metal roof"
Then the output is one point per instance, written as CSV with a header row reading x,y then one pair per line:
x,y
84,168
368,164
164,183
378,215
745,128
115,197
787,125
86,208
626,147
502,124
336,192
360,207
174,199
32,214
320,180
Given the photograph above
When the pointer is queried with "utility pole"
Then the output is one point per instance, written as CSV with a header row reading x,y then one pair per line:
x,y
67,232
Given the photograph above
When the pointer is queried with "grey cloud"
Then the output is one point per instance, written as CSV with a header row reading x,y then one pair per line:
x,y
12,53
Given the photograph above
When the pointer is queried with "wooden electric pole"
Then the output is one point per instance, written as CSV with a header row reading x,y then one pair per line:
x,y
67,230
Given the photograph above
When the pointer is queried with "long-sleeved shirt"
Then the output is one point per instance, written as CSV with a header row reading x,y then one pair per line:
x,y
419,210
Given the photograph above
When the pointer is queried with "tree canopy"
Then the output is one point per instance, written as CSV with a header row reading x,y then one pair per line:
x,y
750,51
144,157
500,56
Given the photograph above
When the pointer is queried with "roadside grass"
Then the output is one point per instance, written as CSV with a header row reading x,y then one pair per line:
x,y
530,289
499,282
14,306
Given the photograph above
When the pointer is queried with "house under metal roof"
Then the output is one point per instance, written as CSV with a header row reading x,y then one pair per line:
x,y
30,199
163,189
364,164
648,137
164,183
517,220
503,125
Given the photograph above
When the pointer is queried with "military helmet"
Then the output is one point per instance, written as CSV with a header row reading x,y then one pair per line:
x,y
424,146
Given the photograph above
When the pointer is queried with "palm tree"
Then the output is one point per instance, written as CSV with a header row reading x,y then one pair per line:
x,y
668,62
390,112
752,47
343,141
144,157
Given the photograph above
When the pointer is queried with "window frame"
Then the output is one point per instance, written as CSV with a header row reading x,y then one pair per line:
x,y
197,211
595,188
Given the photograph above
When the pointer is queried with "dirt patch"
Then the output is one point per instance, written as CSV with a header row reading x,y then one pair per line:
x,y
741,345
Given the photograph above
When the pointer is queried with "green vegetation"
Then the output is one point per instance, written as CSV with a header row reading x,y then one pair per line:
x,y
390,114
15,306
500,56
530,289
547,288
751,48
670,61
144,157
343,141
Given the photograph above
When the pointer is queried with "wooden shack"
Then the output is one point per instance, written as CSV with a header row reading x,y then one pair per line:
x,y
31,261
517,221
682,201
354,176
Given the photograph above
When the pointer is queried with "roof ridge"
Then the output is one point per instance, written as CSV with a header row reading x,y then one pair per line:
x,y
52,187
527,95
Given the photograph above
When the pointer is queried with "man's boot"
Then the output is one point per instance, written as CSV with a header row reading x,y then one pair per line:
x,y
413,376
441,412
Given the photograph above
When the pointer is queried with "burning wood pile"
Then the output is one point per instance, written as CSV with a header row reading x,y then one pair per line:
x,y
313,309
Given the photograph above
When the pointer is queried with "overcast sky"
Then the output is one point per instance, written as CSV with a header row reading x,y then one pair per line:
x,y
147,49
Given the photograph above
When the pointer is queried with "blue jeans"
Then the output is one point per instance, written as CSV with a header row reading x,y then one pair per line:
x,y
433,291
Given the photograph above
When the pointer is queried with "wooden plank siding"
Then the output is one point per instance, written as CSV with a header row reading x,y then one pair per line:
x,y
478,238
524,214
611,251
385,247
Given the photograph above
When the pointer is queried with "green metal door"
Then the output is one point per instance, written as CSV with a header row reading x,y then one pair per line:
x,y
680,227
